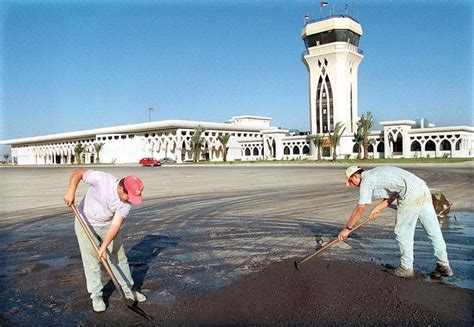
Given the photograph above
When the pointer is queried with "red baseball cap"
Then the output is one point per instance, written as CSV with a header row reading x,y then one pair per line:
x,y
134,187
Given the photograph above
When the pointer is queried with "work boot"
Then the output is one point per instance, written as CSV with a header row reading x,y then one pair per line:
x,y
444,271
403,272
135,296
98,304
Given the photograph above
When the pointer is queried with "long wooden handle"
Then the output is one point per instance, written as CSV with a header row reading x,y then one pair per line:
x,y
102,259
334,241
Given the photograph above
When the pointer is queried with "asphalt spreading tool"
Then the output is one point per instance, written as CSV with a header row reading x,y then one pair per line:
x,y
327,245
104,261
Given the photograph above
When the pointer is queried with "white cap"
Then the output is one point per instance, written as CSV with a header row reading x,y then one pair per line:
x,y
351,171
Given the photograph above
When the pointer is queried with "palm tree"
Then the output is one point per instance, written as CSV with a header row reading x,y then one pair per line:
x,y
365,124
196,142
98,147
224,139
359,139
335,136
78,150
318,141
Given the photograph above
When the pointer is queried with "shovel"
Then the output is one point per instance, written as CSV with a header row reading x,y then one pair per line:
x,y
334,241
104,261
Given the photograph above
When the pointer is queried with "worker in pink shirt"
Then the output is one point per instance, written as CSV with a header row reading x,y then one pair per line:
x,y
104,208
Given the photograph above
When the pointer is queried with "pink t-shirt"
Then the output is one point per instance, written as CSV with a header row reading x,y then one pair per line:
x,y
101,202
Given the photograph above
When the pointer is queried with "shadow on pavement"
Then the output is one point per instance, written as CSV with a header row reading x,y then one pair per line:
x,y
140,257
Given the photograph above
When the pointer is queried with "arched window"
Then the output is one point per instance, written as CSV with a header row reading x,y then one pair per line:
x,y
286,150
330,107
381,147
371,148
324,106
247,151
306,149
458,145
415,146
355,148
445,146
398,144
255,151
430,146
318,104
296,150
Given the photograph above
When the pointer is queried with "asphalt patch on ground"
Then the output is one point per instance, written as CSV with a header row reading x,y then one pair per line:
x,y
329,293
322,292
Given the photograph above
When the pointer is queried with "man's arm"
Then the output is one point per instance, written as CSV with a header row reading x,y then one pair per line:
x,y
117,222
74,180
355,217
374,214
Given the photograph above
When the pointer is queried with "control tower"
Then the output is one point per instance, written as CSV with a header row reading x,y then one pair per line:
x,y
332,57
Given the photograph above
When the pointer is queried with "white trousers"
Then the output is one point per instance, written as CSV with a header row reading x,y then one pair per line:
x,y
115,256
418,206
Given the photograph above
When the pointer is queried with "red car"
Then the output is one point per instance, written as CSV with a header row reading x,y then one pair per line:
x,y
149,162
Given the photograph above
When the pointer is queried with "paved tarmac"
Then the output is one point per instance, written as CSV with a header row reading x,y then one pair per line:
x,y
201,228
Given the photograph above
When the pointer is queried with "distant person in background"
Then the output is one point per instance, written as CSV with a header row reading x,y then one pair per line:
x,y
414,202
104,208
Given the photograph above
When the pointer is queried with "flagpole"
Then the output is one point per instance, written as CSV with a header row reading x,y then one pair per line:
x,y
150,109
321,5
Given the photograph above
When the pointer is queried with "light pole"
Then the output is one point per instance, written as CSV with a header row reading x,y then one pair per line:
x,y
150,109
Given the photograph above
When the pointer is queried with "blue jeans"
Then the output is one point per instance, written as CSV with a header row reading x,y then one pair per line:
x,y
418,206
115,256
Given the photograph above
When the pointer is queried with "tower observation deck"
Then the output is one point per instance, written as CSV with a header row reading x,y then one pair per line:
x,y
332,29
332,58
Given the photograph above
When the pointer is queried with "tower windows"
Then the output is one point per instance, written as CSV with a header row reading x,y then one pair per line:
x,y
335,35
324,105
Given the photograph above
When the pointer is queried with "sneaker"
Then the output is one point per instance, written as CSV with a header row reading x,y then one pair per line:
x,y
403,272
135,296
444,271
98,304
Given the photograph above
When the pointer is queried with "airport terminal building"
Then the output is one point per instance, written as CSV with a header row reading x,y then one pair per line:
x,y
332,57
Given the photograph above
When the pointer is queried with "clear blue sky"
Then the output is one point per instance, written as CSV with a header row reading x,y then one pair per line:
x,y
68,66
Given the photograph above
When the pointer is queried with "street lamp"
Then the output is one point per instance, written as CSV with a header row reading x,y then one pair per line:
x,y
149,113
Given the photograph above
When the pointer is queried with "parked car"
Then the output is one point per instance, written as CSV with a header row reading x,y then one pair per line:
x,y
167,160
149,162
